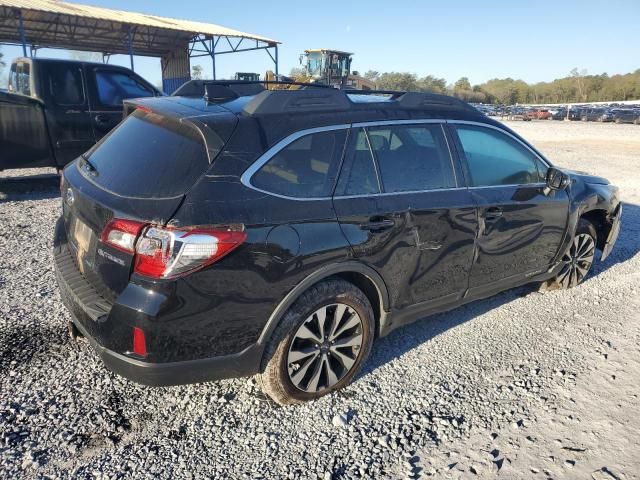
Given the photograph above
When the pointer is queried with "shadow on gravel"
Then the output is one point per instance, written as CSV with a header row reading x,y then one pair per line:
x,y
31,187
22,343
409,337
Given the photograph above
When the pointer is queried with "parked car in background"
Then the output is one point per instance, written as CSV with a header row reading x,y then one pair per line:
x,y
543,114
627,116
559,114
54,110
280,233
575,113
596,115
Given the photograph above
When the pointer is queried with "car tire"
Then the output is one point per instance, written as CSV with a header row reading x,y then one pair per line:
x,y
302,361
578,259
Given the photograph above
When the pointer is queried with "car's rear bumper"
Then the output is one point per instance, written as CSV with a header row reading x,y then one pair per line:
x,y
176,373
93,316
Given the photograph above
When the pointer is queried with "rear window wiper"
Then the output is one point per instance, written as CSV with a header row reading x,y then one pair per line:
x,y
88,166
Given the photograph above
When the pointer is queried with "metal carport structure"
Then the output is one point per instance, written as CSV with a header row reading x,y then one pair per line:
x,y
38,24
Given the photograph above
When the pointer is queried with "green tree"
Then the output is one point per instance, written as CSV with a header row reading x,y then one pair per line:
x,y
197,72
431,84
462,85
397,81
371,75
298,73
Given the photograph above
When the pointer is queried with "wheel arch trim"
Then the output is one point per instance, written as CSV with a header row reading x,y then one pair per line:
x,y
319,275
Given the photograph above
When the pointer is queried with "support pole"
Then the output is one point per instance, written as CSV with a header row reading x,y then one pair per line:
x,y
213,56
276,62
131,48
22,35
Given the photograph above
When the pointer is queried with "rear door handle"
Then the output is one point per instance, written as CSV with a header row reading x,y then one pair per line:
x,y
492,213
377,224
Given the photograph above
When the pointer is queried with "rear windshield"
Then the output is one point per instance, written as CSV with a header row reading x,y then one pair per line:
x,y
149,156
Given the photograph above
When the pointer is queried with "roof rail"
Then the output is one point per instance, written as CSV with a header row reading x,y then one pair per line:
x,y
331,99
314,99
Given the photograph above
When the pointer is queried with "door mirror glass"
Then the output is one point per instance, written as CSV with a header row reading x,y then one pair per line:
x,y
557,179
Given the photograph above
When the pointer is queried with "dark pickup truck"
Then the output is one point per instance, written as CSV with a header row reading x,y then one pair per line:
x,y
55,110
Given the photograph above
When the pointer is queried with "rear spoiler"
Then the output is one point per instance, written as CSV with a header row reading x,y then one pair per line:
x,y
130,106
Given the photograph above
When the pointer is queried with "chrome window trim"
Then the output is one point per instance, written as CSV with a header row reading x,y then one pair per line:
x,y
512,185
382,123
493,127
245,179
408,192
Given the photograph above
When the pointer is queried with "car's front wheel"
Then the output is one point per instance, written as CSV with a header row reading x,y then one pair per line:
x,y
320,344
578,259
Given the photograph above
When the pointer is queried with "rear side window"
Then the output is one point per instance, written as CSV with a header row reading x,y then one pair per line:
x,y
412,157
114,87
65,84
149,156
494,158
358,175
306,168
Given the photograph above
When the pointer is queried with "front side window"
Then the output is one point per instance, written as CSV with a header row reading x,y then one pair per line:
x,y
412,157
114,87
306,168
494,158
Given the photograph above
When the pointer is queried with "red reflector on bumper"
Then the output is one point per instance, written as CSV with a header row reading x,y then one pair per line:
x,y
139,342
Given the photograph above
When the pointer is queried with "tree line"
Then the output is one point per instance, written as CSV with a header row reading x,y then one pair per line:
x,y
576,87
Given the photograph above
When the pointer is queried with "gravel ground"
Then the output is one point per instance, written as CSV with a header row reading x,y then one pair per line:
x,y
521,385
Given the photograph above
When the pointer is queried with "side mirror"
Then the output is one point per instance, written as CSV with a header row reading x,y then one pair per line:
x,y
556,180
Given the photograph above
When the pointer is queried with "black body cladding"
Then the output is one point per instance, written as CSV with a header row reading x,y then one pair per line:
x,y
413,252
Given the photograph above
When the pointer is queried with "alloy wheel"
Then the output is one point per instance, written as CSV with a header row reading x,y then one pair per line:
x,y
325,348
577,261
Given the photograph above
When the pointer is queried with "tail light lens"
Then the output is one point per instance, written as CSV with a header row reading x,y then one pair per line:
x,y
167,253
122,234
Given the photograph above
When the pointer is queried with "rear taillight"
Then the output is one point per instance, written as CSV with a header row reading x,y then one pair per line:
x,y
122,234
167,253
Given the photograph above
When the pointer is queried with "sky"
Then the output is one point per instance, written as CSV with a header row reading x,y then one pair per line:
x,y
532,41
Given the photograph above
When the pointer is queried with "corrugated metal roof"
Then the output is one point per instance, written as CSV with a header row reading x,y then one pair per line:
x,y
31,8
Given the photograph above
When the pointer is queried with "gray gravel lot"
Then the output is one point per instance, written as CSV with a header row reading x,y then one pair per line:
x,y
521,385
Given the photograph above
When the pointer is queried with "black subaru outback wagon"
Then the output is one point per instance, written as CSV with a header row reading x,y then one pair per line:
x,y
280,232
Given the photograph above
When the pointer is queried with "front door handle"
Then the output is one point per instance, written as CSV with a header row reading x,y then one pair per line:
x,y
377,224
492,213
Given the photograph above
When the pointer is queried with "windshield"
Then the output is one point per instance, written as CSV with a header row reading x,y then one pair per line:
x,y
314,64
